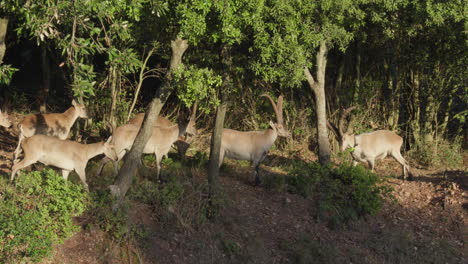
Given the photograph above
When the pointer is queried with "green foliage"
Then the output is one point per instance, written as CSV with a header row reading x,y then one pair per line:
x,y
287,34
343,193
439,154
6,73
115,222
198,84
82,30
37,214
200,159
171,192
171,164
176,202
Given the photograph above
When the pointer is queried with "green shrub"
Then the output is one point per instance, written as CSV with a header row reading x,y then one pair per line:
x,y
37,214
200,159
343,193
440,154
114,222
170,193
171,164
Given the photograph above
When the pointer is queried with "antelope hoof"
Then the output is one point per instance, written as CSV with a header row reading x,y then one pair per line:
x,y
409,177
257,182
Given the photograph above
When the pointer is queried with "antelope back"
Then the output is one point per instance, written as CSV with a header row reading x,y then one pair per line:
x,y
123,137
137,120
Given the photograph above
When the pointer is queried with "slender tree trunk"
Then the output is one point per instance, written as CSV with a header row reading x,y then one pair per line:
x,y
335,99
357,83
113,86
133,158
213,167
3,31
318,88
448,108
141,78
45,80
416,120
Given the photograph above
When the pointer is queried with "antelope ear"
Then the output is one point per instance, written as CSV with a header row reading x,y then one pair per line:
x,y
109,139
73,102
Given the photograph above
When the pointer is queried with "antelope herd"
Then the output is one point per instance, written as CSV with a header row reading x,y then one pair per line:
x,y
43,138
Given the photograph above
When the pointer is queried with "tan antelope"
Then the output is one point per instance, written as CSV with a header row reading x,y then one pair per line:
x,y
161,121
4,120
182,144
253,145
64,154
55,124
159,143
371,146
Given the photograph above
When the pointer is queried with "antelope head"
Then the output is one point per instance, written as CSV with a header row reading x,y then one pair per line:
x,y
80,109
191,128
4,121
278,127
109,149
347,140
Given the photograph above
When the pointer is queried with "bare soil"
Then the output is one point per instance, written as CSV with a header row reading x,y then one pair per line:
x,y
426,223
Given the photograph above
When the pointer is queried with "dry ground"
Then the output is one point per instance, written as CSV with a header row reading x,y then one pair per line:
x,y
427,223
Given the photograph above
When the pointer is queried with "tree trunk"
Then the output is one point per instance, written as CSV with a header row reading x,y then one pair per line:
x,y
141,78
45,80
416,119
357,83
213,167
113,86
3,31
133,158
318,88
335,99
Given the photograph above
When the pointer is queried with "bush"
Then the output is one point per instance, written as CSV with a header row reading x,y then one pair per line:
x,y
37,214
440,154
177,201
114,222
343,193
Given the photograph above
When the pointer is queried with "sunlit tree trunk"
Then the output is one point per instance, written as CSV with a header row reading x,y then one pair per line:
x,y
114,83
357,82
415,123
213,169
45,80
133,158
318,88
3,31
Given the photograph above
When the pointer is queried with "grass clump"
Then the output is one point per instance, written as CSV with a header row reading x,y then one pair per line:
x,y
439,154
37,214
343,193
